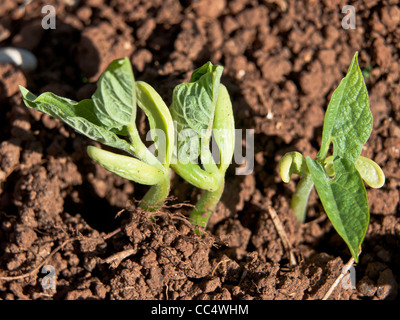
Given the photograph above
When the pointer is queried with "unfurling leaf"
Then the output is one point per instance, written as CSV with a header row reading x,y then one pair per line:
x,y
115,97
193,108
193,103
338,178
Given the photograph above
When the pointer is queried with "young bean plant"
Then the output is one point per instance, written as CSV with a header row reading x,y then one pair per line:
x,y
109,118
338,178
202,109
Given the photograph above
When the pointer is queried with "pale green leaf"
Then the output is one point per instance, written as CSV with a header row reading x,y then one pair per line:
x,y
370,171
115,97
224,128
79,115
193,109
160,120
127,167
193,103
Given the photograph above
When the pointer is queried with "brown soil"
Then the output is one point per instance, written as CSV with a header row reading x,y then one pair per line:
x,y
282,59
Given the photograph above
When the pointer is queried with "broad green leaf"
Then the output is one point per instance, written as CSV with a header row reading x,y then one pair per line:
x,y
115,97
224,128
348,119
126,167
79,115
344,199
160,120
292,162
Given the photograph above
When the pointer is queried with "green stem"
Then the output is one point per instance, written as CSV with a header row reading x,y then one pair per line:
x,y
300,197
140,150
206,157
155,197
205,206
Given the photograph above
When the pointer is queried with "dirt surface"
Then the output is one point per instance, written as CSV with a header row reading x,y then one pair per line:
x,y
282,59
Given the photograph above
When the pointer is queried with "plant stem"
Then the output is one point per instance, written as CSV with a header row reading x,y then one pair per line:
x,y
300,197
140,150
207,158
205,206
154,198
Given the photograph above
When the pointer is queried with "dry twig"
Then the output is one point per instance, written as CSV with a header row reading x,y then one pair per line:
x,y
282,234
218,264
115,259
345,269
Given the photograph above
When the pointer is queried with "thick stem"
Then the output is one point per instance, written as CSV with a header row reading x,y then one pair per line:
x,y
207,158
155,197
205,206
140,150
300,197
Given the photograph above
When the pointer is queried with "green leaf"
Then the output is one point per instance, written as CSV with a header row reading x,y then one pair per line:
x,y
193,109
126,167
115,97
224,128
348,119
344,199
193,103
159,119
79,115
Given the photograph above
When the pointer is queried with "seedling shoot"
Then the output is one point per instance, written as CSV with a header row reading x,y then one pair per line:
x,y
339,178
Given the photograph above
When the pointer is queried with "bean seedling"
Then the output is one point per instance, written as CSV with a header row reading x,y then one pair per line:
x,y
338,178
202,108
109,117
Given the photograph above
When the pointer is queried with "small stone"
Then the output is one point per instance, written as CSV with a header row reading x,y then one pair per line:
x,y
387,285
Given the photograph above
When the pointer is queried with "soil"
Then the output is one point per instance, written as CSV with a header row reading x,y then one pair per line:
x,y
282,59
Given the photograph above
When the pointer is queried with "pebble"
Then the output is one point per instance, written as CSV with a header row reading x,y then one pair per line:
x,y
20,57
